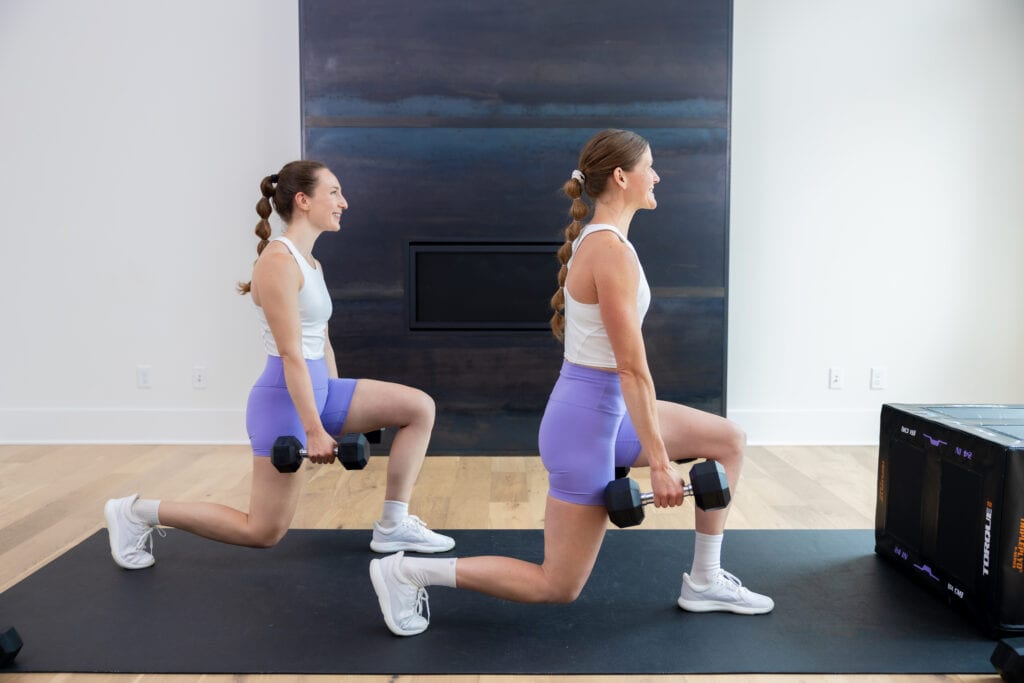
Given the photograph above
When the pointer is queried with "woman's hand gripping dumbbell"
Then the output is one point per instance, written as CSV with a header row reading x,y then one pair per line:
x,y
352,451
708,486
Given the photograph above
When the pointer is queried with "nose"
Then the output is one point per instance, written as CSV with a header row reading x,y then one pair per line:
x,y
342,202
657,178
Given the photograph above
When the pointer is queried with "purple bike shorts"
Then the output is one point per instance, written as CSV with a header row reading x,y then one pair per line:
x,y
585,434
270,412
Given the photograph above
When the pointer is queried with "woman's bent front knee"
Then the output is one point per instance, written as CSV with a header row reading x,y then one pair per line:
x,y
735,441
425,407
415,407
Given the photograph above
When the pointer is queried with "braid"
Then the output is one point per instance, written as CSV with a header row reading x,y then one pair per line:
x,y
263,208
579,210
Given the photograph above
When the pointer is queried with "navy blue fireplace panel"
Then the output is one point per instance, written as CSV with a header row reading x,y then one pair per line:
x,y
452,126
506,292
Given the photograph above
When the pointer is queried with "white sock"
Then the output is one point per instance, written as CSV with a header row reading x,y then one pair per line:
x,y
707,558
394,512
147,510
429,571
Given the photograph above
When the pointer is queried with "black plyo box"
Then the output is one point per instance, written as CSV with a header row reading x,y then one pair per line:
x,y
950,505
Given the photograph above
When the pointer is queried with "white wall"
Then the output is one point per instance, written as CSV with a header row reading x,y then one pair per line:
x,y
877,210
134,136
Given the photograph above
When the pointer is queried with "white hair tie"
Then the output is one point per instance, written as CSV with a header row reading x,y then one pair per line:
x,y
578,175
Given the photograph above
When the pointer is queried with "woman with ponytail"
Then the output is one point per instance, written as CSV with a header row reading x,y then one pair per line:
x,y
602,414
298,394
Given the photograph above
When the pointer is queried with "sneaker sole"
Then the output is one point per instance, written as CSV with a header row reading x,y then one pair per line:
x,y
715,606
395,546
380,587
110,513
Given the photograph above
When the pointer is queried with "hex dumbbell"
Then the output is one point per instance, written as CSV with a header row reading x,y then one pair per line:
x,y
352,451
708,486
10,645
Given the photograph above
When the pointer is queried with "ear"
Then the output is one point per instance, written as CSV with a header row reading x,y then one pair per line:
x,y
619,176
302,201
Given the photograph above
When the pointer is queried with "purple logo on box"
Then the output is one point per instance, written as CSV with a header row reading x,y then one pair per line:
x,y
934,442
925,569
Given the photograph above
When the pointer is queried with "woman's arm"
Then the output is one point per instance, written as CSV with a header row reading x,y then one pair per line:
x,y
617,278
278,280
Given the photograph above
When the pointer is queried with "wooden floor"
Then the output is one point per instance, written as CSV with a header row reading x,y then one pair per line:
x,y
51,497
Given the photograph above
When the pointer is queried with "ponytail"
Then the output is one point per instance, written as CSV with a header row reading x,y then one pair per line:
x,y
579,210
262,230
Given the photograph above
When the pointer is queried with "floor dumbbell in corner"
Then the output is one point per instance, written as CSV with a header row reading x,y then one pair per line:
x,y
708,486
351,450
10,645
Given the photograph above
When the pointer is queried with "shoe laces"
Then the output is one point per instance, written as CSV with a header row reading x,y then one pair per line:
x,y
729,578
414,523
420,601
145,542
422,604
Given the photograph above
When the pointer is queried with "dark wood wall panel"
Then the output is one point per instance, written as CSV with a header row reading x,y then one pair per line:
x,y
458,122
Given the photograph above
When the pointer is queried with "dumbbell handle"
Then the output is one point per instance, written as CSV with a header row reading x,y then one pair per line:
x,y
371,437
305,454
646,498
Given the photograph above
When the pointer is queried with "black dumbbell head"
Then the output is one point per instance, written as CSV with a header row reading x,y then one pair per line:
x,y
10,645
622,499
353,451
710,486
1008,659
285,454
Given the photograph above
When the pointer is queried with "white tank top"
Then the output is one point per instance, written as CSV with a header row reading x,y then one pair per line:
x,y
586,339
314,309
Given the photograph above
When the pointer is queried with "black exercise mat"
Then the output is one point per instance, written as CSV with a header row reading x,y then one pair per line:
x,y
307,607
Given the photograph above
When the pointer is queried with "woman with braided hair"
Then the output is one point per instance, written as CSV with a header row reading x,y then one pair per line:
x,y
298,394
602,413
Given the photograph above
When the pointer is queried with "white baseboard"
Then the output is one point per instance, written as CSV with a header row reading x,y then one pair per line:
x,y
118,425
809,427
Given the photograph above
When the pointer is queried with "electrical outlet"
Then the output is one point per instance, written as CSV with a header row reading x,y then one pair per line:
x,y
835,378
879,378
199,377
142,376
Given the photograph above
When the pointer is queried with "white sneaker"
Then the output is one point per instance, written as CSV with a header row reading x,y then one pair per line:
x,y
402,603
410,534
725,593
131,539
